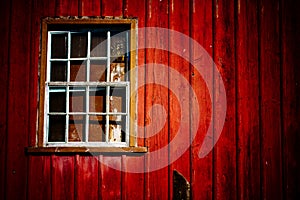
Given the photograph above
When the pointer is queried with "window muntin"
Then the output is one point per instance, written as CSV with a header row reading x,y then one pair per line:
x,y
87,87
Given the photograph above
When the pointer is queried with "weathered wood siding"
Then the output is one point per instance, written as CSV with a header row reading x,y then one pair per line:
x,y
255,45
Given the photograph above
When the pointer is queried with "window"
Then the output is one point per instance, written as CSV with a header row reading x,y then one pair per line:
x,y
86,79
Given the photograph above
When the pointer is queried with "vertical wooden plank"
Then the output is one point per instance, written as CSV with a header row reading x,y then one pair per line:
x,y
86,177
4,66
89,7
110,8
67,8
39,175
201,22
247,97
291,97
132,183
62,177
224,57
156,181
179,95
17,129
39,178
133,186
270,100
111,177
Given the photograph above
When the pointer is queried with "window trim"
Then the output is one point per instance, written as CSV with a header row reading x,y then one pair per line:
x,y
132,147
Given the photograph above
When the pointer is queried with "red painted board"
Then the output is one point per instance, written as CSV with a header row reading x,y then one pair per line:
x,y
271,151
110,173
224,56
66,8
86,177
112,9
156,118
4,52
179,96
248,100
39,177
291,97
62,177
89,7
18,96
201,33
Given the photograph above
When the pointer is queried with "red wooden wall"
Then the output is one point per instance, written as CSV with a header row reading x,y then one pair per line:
x,y
255,45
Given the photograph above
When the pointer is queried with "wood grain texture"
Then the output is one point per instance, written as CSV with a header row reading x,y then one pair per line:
x,y
62,177
66,8
86,177
179,116
156,181
39,178
17,128
290,97
89,7
4,66
271,143
202,33
111,178
224,57
248,147
39,175
112,8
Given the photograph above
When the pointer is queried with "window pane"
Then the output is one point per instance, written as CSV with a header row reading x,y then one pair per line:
x,y
59,45
97,99
78,71
77,99
118,45
57,100
97,128
117,72
76,128
117,124
98,71
57,124
98,44
117,100
58,71
78,45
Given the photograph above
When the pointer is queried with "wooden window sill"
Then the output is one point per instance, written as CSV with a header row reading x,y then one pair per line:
x,y
54,150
